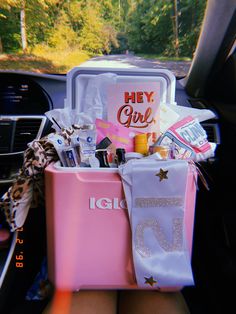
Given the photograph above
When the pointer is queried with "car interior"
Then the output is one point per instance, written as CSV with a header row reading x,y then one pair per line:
x,y
209,84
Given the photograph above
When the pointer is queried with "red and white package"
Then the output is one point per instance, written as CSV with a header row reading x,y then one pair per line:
x,y
190,132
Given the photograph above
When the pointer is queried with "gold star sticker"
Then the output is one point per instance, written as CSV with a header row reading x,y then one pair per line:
x,y
162,174
150,281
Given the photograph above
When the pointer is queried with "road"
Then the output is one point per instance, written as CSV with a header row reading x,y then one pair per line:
x,y
179,68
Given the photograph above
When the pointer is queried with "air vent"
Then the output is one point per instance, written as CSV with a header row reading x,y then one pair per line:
x,y
5,135
212,130
26,130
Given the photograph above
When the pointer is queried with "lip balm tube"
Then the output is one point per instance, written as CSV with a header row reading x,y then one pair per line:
x,y
70,157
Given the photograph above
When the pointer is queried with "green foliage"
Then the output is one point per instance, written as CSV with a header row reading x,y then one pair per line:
x,y
63,60
103,26
9,30
84,24
191,16
151,26
63,35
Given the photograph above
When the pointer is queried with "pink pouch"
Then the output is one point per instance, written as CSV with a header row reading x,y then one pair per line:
x,y
119,135
88,230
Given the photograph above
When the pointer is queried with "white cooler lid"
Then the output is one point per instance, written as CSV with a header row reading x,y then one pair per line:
x,y
78,78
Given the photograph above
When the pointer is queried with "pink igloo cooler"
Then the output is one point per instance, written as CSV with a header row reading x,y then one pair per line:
x,y
88,230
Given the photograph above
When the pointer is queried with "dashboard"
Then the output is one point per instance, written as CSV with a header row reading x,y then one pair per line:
x,y
24,98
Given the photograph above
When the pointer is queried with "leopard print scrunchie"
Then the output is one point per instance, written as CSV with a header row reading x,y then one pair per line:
x,y
27,190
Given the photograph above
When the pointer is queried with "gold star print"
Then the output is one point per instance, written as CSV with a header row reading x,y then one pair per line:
x,y
150,281
162,174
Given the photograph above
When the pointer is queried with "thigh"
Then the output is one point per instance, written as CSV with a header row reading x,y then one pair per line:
x,y
83,302
144,301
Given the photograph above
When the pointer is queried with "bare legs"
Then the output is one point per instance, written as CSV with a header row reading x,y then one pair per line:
x,y
83,302
144,302
107,302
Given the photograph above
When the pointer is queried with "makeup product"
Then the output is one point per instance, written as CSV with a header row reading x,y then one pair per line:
x,y
119,135
120,156
103,144
70,157
101,155
111,157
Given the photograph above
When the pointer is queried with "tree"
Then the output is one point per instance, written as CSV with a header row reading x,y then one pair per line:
x,y
169,27
150,25
89,26
33,17
191,17
6,5
176,27
9,29
63,35
23,26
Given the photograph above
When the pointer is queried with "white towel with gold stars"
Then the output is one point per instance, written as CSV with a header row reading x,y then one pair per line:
x,y
155,192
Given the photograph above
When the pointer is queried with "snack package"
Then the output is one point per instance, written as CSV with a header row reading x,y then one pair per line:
x,y
119,135
179,149
188,140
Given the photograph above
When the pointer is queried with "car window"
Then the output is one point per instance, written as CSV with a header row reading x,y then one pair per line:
x,y
52,36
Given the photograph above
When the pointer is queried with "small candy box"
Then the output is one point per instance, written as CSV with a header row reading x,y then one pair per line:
x,y
91,242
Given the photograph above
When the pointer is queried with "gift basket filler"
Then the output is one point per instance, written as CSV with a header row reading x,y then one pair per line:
x,y
120,201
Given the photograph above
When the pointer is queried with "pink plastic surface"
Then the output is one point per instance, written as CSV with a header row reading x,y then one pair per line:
x,y
88,232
